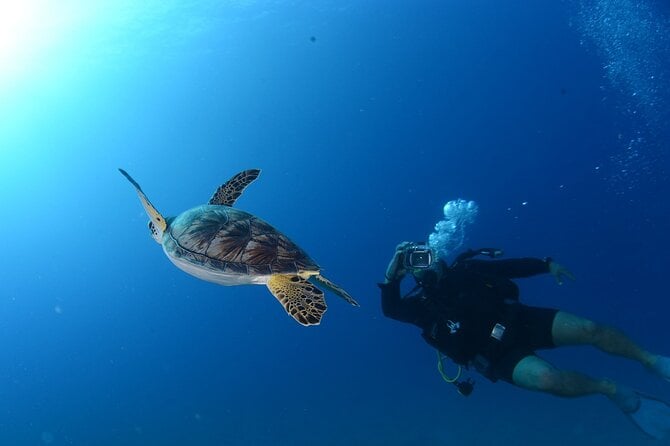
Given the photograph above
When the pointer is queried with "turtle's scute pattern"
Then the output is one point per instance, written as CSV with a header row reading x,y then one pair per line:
x,y
234,241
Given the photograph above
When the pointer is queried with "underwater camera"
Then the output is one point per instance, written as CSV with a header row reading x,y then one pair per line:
x,y
418,255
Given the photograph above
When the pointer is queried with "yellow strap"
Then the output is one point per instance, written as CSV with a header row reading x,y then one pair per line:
x,y
440,368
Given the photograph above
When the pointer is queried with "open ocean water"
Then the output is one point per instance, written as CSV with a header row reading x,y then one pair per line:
x,y
366,117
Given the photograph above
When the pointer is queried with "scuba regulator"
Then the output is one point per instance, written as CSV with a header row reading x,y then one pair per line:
x,y
464,388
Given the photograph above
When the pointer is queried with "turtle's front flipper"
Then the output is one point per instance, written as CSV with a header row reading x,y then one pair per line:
x,y
335,289
301,299
229,192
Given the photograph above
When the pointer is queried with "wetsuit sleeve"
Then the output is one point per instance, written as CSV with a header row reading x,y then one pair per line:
x,y
395,307
511,268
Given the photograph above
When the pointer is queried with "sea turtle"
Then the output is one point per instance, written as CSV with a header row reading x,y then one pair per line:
x,y
221,244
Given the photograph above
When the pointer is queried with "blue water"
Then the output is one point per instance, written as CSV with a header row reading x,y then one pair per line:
x,y
366,118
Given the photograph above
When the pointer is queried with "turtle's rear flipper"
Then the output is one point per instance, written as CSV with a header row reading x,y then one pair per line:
x,y
335,289
301,299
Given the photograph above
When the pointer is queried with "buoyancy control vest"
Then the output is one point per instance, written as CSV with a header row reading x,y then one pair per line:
x,y
466,306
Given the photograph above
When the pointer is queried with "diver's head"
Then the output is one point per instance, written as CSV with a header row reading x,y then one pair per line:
x,y
429,277
421,261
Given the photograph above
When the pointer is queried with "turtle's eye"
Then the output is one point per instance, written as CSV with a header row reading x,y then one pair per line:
x,y
152,228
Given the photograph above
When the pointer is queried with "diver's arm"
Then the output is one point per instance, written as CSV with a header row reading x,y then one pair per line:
x,y
395,307
396,269
510,268
523,267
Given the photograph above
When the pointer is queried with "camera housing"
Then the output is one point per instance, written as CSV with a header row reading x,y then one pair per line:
x,y
418,256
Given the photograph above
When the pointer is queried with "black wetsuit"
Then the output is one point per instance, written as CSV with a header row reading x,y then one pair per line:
x,y
458,314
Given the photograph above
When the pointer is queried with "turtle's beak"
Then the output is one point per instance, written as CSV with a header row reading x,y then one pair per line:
x,y
159,223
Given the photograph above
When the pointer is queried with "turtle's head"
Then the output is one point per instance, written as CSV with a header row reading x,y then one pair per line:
x,y
157,224
156,233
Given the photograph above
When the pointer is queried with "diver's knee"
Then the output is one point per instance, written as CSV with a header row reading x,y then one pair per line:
x,y
592,332
543,378
550,380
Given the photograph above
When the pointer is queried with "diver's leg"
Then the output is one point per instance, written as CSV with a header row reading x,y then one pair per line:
x,y
534,373
569,329
648,413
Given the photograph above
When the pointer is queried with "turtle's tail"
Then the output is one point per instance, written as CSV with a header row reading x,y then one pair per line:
x,y
335,289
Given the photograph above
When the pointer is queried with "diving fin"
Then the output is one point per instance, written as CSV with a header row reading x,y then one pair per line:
x,y
661,367
651,415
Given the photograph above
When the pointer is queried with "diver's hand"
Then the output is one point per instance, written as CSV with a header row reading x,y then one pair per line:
x,y
395,270
402,247
559,271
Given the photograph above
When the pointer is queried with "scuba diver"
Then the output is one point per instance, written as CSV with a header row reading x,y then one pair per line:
x,y
470,312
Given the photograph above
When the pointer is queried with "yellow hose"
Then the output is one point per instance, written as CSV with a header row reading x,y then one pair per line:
x,y
440,368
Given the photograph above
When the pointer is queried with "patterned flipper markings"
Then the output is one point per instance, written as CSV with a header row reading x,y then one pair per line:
x,y
336,289
301,299
229,192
